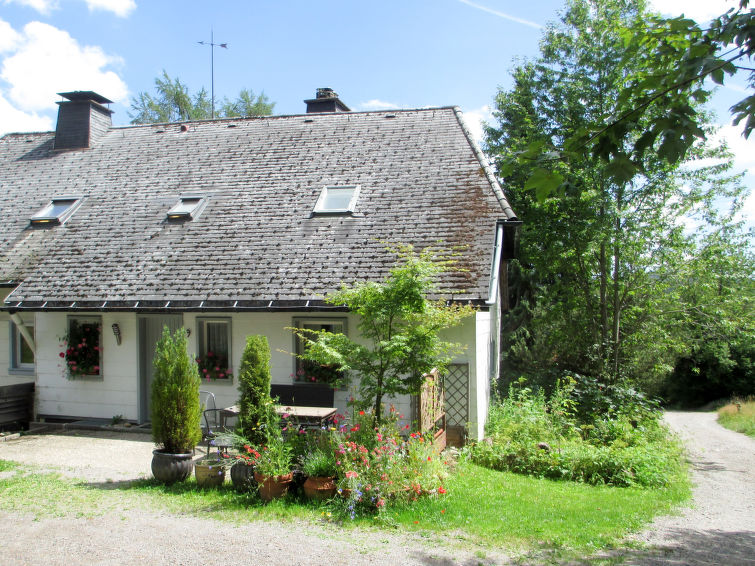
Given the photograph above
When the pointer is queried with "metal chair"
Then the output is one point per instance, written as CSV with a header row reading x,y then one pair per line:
x,y
206,401
219,427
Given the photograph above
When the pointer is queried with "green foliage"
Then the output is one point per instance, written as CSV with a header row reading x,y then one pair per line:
x,y
320,461
624,445
172,102
714,370
609,284
401,327
176,412
665,63
256,410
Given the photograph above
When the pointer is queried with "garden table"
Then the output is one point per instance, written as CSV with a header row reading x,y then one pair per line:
x,y
302,415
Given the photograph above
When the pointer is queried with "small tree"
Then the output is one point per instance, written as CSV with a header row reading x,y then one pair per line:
x,y
255,403
176,412
401,326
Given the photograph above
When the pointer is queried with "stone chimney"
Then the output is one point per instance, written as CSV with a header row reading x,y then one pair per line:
x,y
326,101
82,119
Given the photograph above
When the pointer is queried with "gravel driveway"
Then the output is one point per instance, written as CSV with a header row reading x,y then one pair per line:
x,y
718,529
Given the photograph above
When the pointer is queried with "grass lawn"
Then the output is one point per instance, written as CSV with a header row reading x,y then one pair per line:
x,y
482,507
739,416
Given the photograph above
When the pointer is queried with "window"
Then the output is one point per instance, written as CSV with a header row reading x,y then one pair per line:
x,y
82,346
214,348
188,208
306,371
21,355
334,200
57,212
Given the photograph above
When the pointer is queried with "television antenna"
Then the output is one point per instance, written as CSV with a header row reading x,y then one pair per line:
x,y
212,45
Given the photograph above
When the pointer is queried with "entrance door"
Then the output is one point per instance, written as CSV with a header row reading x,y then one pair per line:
x,y
150,331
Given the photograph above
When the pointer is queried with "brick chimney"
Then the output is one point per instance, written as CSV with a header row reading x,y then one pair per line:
x,y
82,119
326,101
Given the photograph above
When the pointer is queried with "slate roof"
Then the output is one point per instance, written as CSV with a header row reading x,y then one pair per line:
x,y
257,242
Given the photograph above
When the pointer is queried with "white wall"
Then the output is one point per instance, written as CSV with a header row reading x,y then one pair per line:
x,y
116,391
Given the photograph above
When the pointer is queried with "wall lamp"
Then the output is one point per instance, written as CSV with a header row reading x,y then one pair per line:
x,y
117,333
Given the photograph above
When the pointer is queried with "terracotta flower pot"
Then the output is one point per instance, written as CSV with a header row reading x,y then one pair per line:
x,y
273,487
319,488
209,473
242,476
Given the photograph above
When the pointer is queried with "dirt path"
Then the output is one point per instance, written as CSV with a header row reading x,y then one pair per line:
x,y
719,527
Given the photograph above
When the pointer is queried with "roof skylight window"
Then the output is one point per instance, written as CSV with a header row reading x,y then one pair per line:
x,y
337,199
57,212
188,208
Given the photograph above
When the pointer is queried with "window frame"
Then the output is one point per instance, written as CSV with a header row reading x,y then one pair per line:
x,y
322,199
43,216
16,338
180,212
298,347
201,324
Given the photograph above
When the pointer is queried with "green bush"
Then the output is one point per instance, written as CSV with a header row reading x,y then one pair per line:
x,y
176,412
622,447
255,404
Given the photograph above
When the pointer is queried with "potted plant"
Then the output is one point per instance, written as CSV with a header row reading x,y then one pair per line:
x,y
176,412
210,472
242,470
319,465
272,470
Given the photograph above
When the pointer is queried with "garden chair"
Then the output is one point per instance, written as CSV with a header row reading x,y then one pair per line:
x,y
218,428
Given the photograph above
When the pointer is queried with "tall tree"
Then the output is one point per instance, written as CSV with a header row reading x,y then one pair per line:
x,y
599,267
658,103
173,102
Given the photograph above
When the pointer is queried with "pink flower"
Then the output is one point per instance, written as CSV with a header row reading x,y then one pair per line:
x,y
351,474
96,368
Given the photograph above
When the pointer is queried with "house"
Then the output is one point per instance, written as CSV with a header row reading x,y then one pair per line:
x,y
231,227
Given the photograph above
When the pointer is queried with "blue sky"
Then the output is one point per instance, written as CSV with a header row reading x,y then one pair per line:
x,y
395,53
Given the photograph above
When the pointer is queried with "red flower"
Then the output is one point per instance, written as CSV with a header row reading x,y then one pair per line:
x,y
361,412
441,490
62,355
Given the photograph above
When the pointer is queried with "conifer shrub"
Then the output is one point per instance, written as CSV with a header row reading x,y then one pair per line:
x,y
176,412
256,409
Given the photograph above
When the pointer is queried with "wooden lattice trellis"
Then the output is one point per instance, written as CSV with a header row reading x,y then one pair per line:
x,y
432,415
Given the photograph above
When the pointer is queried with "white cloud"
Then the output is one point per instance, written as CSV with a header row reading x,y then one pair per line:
x,y
701,11
15,120
500,14
474,120
9,37
376,104
121,8
42,6
48,60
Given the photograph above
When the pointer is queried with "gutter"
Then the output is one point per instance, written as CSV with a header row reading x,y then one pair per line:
x,y
506,236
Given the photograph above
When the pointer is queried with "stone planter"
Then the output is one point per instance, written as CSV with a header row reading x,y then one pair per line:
x,y
242,477
209,473
273,487
171,468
